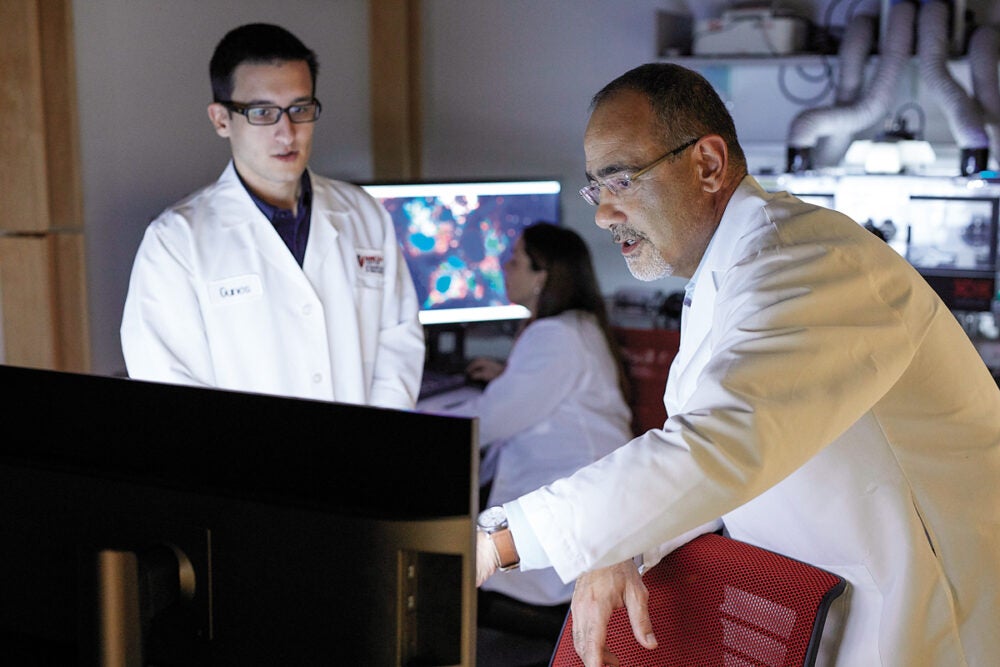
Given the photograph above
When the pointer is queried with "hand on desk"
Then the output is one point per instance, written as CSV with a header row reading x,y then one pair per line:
x,y
596,596
482,369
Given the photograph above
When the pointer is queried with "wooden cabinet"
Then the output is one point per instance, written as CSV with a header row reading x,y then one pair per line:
x,y
43,314
395,88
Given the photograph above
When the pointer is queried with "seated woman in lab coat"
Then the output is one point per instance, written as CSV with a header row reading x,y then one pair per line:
x,y
559,402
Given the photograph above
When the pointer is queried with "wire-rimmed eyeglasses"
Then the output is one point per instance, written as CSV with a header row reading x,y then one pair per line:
x,y
622,181
269,114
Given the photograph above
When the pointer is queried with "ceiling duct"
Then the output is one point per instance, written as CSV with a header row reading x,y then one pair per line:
x,y
838,123
964,115
855,47
984,53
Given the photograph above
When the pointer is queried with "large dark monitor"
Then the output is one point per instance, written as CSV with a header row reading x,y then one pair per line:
x,y
456,237
952,242
293,532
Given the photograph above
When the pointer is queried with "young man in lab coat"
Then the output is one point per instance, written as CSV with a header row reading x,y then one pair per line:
x,y
824,403
274,279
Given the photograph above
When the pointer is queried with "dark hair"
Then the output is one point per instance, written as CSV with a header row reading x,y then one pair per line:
x,y
684,102
256,43
570,283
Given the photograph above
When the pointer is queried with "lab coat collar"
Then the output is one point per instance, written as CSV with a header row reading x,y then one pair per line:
x,y
229,183
743,214
235,207
330,215
233,196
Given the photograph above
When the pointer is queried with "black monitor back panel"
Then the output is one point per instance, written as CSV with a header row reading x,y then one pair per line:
x,y
319,533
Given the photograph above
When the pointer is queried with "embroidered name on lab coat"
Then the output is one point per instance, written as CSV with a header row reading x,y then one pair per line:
x,y
371,261
236,289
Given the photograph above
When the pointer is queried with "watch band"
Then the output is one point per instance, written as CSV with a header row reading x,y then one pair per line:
x,y
507,555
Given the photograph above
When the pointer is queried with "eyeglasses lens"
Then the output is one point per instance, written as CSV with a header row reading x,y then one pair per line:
x,y
269,115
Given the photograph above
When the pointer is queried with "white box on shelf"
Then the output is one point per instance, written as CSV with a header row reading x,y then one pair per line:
x,y
757,35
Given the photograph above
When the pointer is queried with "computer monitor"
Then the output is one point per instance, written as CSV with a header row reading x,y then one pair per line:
x,y
952,242
456,237
311,532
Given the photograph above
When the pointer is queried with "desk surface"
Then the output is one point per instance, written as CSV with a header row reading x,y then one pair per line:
x,y
448,400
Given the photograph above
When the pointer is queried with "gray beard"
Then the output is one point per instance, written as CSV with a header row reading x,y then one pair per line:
x,y
643,268
649,269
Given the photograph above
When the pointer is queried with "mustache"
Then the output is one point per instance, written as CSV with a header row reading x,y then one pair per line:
x,y
625,234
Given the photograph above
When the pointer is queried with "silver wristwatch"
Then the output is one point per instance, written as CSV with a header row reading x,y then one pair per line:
x,y
493,522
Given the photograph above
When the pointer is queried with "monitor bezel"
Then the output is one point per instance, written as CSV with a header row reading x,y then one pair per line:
x,y
952,284
458,315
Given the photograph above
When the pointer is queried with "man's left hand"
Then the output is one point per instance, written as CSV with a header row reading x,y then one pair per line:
x,y
596,596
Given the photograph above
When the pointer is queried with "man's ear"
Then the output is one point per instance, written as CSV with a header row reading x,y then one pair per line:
x,y
712,156
221,119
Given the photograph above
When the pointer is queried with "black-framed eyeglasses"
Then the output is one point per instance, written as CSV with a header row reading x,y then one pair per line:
x,y
269,114
622,181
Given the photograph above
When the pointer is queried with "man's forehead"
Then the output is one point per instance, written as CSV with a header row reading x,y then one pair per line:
x,y
626,114
618,135
264,77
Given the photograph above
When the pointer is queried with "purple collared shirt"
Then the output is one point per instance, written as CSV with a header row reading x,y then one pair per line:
x,y
293,228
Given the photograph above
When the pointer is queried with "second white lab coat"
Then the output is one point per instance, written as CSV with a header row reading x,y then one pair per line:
x,y
556,408
216,299
829,407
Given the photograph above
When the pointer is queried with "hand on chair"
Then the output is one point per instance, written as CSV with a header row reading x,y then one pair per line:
x,y
596,596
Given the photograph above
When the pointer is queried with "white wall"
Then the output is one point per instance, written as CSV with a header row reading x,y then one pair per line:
x,y
142,77
507,85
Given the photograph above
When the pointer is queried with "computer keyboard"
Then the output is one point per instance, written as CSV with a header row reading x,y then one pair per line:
x,y
438,382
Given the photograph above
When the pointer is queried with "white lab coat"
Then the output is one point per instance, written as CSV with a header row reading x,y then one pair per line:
x,y
829,407
556,408
216,299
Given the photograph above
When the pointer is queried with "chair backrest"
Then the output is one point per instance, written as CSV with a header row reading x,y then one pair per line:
x,y
718,601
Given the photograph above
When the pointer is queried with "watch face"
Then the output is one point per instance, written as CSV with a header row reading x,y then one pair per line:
x,y
492,519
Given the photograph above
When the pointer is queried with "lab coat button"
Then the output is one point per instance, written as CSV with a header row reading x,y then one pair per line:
x,y
307,309
317,377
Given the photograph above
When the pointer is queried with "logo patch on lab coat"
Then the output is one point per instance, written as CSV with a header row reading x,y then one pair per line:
x,y
371,261
236,289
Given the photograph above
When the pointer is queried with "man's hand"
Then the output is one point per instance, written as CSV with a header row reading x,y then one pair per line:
x,y
596,596
486,558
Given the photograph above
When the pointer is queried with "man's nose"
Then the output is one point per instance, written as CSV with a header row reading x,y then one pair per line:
x,y
607,214
283,129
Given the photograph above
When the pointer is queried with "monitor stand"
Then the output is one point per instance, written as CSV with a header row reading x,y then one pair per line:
x,y
446,347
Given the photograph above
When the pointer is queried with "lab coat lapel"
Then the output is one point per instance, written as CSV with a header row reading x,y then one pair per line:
x,y
695,347
276,253
328,267
324,226
744,212
322,239
266,240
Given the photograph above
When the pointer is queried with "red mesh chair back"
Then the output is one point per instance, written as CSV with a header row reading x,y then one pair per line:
x,y
718,601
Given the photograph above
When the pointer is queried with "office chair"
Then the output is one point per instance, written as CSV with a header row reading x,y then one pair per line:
x,y
718,601
647,354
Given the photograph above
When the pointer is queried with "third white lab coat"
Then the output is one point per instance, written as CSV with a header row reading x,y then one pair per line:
x,y
556,408
829,407
217,299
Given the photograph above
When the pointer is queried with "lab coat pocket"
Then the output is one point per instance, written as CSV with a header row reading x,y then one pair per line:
x,y
371,269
